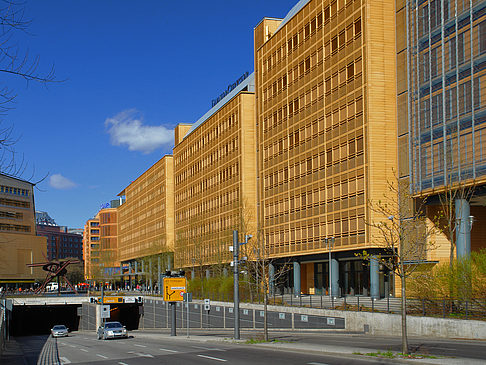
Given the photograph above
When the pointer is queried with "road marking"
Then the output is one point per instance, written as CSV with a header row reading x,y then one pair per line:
x,y
207,348
64,360
139,345
168,350
84,350
104,357
140,354
72,346
122,363
212,358
316,363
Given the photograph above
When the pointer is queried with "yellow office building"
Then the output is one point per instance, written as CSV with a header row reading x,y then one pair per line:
x,y
326,112
19,245
215,178
146,217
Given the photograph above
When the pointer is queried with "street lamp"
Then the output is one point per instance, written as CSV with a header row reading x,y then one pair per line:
x,y
329,246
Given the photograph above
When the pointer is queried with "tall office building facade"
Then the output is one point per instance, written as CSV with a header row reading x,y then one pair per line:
x,y
326,116
19,244
441,99
146,220
215,179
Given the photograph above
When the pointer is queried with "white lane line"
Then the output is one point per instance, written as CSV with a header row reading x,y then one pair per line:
x,y
122,363
207,348
72,346
139,345
212,358
140,354
316,363
64,360
84,350
168,350
104,357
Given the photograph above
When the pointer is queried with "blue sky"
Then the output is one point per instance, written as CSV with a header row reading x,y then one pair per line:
x,y
133,70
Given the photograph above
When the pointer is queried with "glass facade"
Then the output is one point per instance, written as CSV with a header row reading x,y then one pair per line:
x,y
446,62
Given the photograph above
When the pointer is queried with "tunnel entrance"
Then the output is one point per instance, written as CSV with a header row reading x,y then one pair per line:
x,y
29,320
126,314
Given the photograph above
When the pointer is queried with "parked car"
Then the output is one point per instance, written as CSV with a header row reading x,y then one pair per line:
x,y
112,330
59,330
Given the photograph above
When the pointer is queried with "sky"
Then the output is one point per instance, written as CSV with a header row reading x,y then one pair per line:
x,y
130,71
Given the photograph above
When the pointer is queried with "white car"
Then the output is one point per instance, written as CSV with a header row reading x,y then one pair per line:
x,y
112,330
59,330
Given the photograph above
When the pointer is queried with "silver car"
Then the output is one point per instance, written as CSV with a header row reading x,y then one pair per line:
x,y
112,330
59,330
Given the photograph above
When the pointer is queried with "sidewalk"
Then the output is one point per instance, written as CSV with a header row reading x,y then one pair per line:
x,y
321,343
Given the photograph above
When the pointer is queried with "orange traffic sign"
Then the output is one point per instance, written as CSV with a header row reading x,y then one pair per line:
x,y
174,289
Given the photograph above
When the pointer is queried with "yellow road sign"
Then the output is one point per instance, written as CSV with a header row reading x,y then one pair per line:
x,y
111,300
174,289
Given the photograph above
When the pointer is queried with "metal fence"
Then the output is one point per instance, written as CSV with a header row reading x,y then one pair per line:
x,y
474,308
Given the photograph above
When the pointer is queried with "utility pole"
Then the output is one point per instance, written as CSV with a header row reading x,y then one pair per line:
x,y
236,251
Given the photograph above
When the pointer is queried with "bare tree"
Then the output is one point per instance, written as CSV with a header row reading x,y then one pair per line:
x,y
402,229
17,63
263,272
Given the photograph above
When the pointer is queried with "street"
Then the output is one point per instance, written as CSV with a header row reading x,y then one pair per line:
x,y
84,348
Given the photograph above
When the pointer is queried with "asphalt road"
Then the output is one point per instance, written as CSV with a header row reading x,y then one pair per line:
x,y
84,348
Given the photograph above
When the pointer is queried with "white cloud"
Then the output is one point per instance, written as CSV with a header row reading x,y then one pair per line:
x,y
57,181
126,128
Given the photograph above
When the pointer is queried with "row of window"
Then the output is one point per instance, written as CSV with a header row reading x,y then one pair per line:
x,y
457,53
432,109
208,182
14,203
14,191
14,227
226,150
430,14
208,206
303,34
11,215
208,138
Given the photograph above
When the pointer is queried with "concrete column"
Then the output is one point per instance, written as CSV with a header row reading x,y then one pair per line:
x,y
463,231
296,278
225,272
193,274
374,277
208,274
335,277
169,263
271,279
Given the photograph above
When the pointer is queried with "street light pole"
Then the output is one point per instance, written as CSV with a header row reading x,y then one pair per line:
x,y
236,246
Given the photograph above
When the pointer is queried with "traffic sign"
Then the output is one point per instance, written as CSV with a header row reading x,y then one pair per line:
x,y
174,289
105,311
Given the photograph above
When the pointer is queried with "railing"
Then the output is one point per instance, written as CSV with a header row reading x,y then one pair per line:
x,y
474,308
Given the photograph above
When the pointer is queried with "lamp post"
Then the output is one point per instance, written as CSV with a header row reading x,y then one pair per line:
x,y
329,246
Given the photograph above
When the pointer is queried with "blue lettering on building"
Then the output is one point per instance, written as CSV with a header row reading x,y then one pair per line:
x,y
230,88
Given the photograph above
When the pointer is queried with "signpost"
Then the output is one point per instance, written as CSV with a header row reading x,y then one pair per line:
x,y
187,298
105,311
174,290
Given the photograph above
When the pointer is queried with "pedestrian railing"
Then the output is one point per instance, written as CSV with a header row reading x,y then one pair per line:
x,y
474,308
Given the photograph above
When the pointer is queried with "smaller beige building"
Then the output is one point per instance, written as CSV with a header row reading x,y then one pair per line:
x,y
19,244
